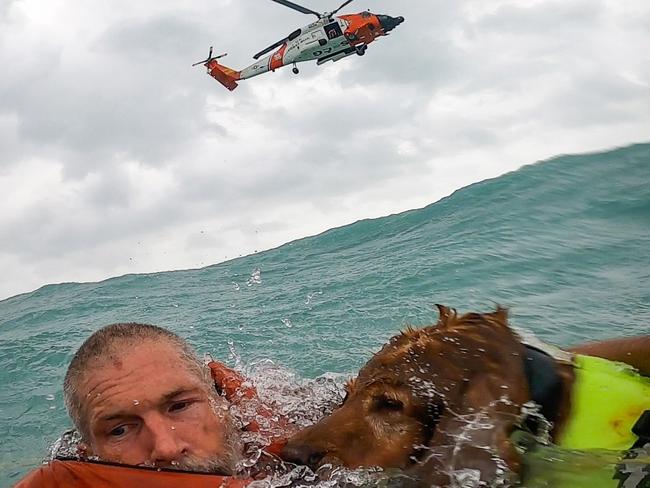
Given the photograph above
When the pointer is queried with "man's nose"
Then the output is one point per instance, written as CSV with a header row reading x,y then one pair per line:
x,y
166,446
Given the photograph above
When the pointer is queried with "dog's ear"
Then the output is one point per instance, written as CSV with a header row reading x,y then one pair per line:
x,y
499,316
473,432
501,313
447,316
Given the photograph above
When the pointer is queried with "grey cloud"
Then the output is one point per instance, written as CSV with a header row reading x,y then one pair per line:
x,y
548,19
5,8
598,98
93,110
149,41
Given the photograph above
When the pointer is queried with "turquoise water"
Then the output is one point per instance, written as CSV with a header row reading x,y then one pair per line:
x,y
565,243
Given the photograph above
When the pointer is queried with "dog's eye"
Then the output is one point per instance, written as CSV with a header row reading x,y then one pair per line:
x,y
386,403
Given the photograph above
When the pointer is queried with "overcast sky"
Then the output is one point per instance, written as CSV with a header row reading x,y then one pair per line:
x,y
116,156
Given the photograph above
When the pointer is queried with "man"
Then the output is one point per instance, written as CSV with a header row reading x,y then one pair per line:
x,y
139,396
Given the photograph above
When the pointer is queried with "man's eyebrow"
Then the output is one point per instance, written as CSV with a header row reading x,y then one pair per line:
x,y
179,392
114,416
167,397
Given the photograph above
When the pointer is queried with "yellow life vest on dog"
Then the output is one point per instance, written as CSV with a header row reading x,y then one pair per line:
x,y
608,398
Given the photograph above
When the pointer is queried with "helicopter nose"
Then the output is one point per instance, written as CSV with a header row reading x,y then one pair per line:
x,y
388,23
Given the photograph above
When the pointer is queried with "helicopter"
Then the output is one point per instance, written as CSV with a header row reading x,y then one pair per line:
x,y
330,38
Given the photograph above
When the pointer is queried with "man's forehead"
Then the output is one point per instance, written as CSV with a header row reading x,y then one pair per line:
x,y
126,360
124,350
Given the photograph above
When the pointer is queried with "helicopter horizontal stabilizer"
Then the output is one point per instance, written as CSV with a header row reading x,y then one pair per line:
x,y
224,75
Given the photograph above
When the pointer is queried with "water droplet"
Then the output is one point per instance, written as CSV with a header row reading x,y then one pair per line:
x,y
236,286
173,428
136,402
287,322
310,297
49,397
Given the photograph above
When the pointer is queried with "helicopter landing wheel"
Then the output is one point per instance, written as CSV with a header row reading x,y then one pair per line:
x,y
295,70
361,50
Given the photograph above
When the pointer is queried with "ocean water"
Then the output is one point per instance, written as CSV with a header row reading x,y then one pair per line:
x,y
565,243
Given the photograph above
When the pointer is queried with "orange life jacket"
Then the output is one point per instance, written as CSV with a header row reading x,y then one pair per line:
x,y
237,389
89,474
86,474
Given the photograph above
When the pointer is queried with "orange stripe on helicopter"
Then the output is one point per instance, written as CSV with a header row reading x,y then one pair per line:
x,y
276,60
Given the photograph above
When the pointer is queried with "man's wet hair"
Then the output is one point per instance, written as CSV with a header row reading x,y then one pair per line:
x,y
109,340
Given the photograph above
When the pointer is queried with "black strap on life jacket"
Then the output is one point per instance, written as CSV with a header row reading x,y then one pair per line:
x,y
544,383
641,429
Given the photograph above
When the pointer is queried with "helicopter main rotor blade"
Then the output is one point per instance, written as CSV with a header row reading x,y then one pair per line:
x,y
270,48
297,7
344,4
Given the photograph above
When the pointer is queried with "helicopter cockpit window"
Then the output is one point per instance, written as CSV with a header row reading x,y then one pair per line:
x,y
365,15
294,34
333,30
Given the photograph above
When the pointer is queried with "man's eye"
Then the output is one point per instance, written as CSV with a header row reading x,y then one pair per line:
x,y
118,431
178,406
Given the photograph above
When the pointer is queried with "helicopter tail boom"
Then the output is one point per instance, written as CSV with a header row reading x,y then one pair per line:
x,y
226,76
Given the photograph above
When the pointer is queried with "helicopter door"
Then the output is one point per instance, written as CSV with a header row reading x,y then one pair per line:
x,y
333,30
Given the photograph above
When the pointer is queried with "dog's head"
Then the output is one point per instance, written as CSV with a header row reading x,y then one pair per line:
x,y
425,389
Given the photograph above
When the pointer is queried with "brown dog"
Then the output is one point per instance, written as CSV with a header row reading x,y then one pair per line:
x,y
441,399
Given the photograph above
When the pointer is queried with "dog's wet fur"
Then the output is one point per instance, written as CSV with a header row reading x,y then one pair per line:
x,y
432,401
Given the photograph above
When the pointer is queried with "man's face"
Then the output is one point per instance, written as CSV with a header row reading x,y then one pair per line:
x,y
144,405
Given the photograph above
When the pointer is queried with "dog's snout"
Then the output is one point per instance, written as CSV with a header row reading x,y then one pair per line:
x,y
303,454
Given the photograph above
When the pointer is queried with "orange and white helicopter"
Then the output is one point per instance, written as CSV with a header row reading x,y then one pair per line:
x,y
330,38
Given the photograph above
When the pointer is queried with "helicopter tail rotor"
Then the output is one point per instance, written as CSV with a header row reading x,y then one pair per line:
x,y
209,58
223,74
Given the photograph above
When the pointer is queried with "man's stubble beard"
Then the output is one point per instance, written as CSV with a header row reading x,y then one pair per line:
x,y
225,463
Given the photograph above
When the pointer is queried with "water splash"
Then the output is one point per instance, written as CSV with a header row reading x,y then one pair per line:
x,y
310,297
66,446
255,278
